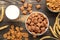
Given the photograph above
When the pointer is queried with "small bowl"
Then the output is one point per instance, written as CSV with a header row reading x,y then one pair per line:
x,y
51,9
46,28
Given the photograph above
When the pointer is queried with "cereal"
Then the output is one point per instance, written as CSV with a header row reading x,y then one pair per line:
x,y
26,38
22,1
38,6
15,34
30,11
5,35
25,35
33,28
37,23
26,8
22,8
34,36
8,37
53,5
17,28
38,0
30,5
21,28
25,5
12,26
24,12
29,8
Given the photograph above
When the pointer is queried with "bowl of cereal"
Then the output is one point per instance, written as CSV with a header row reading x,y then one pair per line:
x,y
37,23
53,5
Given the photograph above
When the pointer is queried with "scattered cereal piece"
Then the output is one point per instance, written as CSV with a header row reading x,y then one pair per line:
x,y
38,0
29,8
21,8
5,35
24,12
26,39
15,34
25,5
30,5
30,11
22,1
17,28
38,6
21,28
25,35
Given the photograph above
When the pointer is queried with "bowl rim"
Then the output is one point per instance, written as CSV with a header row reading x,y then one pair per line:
x,y
47,24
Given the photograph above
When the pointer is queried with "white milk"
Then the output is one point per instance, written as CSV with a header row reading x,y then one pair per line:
x,y
12,12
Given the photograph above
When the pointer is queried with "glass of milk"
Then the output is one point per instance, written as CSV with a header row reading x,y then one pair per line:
x,y
12,12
